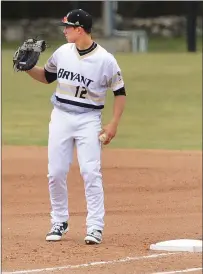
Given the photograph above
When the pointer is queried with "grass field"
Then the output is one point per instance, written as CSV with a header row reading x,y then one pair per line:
x,y
163,111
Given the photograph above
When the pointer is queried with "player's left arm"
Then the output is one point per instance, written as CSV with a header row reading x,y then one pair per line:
x,y
118,108
116,83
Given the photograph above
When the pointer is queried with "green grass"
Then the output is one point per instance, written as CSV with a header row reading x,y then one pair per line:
x,y
155,44
163,111
178,44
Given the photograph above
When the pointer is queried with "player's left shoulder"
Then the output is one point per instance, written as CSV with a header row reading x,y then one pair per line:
x,y
105,52
107,56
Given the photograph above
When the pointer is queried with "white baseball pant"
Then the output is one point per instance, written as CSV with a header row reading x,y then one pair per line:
x,y
65,130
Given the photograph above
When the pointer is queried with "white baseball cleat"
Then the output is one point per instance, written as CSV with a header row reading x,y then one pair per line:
x,y
94,237
56,232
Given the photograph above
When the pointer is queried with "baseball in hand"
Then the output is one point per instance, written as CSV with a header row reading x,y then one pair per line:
x,y
103,137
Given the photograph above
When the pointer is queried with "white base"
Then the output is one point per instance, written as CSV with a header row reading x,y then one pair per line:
x,y
179,245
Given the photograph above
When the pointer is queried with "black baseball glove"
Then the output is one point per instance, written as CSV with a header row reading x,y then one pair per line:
x,y
27,55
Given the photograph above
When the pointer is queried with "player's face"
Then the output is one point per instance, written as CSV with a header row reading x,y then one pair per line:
x,y
71,34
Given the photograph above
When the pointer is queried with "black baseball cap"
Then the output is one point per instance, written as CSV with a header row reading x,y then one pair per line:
x,y
78,18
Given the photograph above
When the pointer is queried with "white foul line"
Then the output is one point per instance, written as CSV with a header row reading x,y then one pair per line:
x,y
180,271
123,260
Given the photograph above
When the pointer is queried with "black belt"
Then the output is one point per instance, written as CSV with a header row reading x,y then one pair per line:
x,y
74,103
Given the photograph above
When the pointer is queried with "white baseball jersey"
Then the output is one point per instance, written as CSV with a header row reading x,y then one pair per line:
x,y
83,80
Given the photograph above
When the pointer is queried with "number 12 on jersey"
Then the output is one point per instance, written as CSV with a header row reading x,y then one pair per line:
x,y
81,92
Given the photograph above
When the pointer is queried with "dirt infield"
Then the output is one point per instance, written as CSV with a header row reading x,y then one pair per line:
x,y
150,196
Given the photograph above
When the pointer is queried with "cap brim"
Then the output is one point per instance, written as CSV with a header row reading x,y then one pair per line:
x,y
66,24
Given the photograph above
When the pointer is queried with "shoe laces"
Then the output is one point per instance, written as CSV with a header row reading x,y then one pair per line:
x,y
96,233
57,227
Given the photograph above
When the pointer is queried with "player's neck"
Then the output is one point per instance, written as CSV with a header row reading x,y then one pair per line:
x,y
84,43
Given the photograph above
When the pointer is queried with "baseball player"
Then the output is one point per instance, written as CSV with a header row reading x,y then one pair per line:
x,y
84,71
